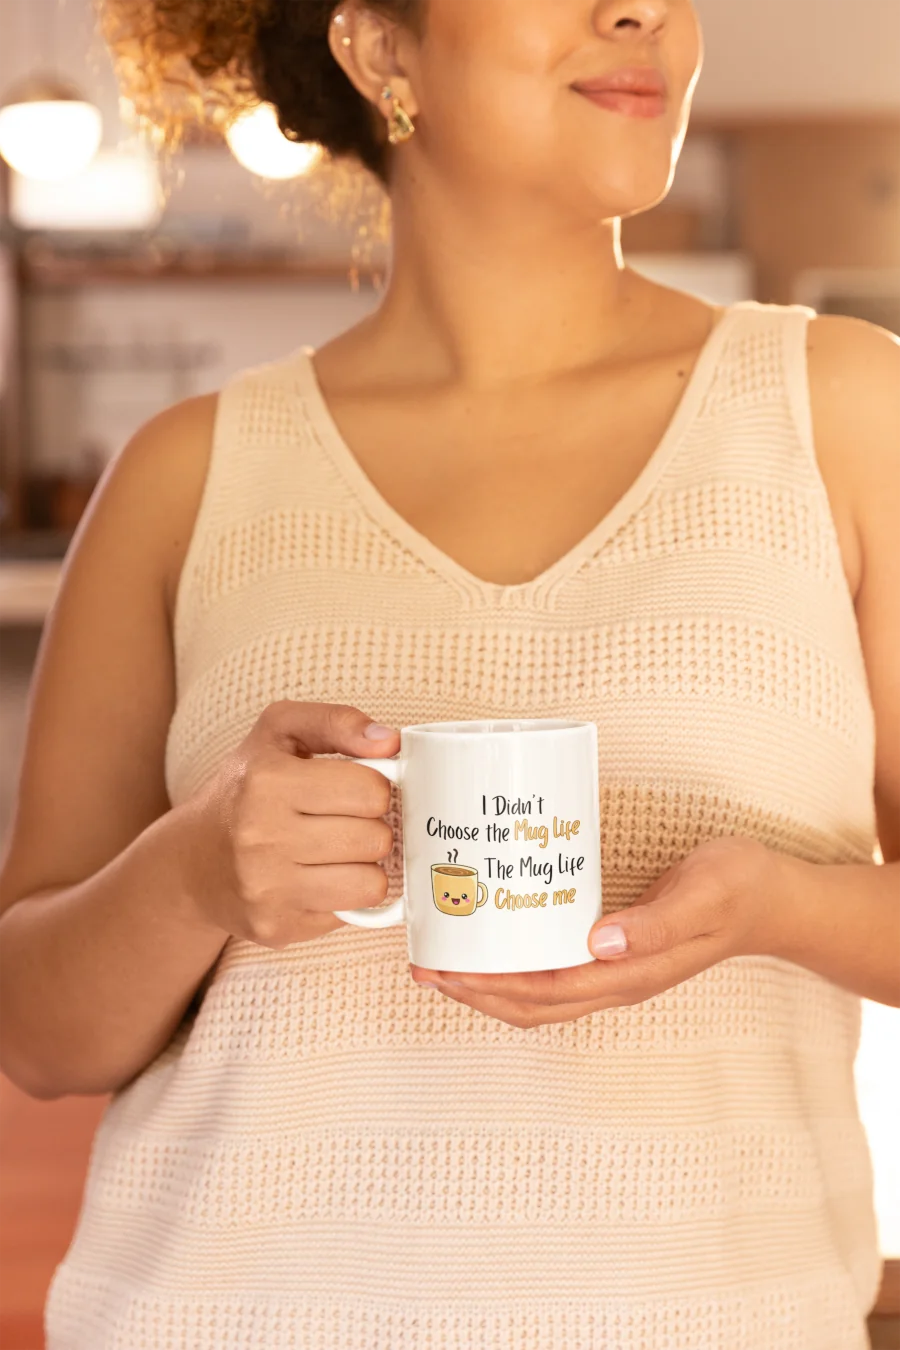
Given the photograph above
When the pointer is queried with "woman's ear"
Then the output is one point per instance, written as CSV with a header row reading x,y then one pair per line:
x,y
373,50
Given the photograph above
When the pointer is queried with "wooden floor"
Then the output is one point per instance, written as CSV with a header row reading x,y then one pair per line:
x,y
44,1149
44,1146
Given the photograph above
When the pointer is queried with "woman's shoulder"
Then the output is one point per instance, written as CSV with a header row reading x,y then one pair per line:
x,y
165,464
862,354
854,394
172,454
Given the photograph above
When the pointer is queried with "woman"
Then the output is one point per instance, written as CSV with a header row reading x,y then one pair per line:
x,y
532,484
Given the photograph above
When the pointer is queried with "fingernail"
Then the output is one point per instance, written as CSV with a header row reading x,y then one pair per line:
x,y
374,732
609,941
425,984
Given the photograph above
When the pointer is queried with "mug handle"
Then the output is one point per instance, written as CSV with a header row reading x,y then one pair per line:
x,y
392,914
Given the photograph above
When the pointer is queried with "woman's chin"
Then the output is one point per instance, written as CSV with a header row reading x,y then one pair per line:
x,y
617,183
610,201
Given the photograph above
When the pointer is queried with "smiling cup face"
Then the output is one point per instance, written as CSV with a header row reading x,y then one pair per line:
x,y
455,888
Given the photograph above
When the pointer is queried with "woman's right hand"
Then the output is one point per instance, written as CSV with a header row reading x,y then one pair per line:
x,y
280,840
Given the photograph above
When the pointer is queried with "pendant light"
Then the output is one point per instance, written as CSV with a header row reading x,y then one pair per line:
x,y
47,130
256,141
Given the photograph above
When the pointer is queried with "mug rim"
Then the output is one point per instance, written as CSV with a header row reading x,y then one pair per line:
x,y
483,728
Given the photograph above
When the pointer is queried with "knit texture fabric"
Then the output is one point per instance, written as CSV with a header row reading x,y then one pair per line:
x,y
330,1158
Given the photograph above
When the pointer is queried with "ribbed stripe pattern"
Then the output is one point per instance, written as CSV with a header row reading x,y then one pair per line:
x,y
329,1158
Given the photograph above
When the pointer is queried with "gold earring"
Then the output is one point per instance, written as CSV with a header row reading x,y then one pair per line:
x,y
340,20
401,126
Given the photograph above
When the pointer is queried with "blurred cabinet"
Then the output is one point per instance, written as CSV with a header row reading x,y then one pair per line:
x,y
11,430
105,344
817,195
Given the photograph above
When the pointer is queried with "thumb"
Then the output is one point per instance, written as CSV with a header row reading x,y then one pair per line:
x,y
325,729
648,925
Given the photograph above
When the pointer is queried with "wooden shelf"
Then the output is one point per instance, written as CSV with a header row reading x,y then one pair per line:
x,y
34,545
31,563
28,589
58,271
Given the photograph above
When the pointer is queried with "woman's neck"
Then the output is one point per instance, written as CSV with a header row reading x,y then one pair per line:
x,y
486,293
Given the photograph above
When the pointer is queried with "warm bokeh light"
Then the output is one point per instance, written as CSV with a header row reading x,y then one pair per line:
x,y
878,1092
119,190
53,139
256,142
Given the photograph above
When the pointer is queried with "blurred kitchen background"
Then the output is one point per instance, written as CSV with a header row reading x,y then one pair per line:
x,y
137,281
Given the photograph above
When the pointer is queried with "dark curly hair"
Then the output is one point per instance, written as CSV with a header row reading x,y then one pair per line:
x,y
181,62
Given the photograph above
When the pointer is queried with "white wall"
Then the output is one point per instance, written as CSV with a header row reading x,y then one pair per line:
x,y
820,56
57,35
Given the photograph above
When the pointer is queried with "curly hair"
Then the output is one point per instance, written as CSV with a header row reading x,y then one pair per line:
x,y
181,62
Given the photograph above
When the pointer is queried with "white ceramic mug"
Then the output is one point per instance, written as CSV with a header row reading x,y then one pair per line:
x,y
501,844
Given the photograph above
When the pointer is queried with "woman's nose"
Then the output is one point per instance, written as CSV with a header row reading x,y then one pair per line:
x,y
630,18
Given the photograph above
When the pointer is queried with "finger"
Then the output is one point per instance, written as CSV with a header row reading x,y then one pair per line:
x,y
689,908
312,923
620,981
324,729
342,839
330,886
525,1016
286,923
331,787
575,985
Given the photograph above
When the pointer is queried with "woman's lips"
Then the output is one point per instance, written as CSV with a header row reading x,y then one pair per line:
x,y
632,105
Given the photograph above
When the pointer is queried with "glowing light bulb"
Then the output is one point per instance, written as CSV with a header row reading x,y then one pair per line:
x,y
256,141
50,139
119,190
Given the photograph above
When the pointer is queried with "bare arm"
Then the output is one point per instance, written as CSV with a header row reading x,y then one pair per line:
x,y
845,921
91,819
114,906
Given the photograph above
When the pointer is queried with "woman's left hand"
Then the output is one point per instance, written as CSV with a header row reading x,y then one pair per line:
x,y
721,900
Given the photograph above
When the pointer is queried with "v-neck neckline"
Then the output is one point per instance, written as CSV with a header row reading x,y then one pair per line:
x,y
389,518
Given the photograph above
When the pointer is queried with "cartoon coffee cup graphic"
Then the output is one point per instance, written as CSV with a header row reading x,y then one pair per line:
x,y
456,889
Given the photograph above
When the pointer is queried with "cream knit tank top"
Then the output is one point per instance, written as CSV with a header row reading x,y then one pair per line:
x,y
330,1158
